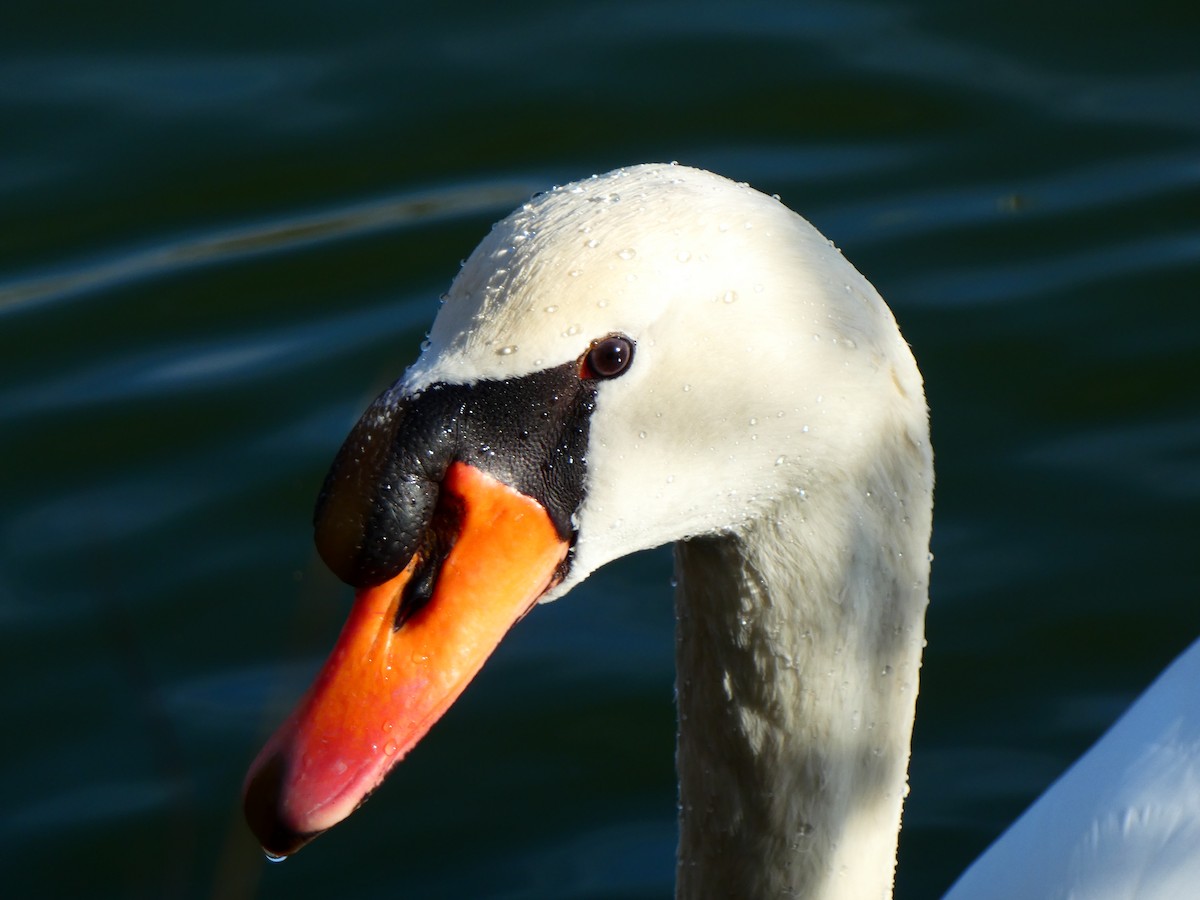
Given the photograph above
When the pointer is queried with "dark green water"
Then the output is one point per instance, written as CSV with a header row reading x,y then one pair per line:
x,y
222,231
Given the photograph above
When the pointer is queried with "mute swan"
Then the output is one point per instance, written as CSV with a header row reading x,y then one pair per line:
x,y
653,355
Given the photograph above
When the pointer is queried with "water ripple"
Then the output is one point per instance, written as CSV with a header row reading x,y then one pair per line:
x,y
416,208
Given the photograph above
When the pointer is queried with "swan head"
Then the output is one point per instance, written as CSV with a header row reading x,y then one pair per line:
x,y
763,360
636,358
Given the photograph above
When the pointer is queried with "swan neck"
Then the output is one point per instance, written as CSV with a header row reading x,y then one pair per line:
x,y
798,648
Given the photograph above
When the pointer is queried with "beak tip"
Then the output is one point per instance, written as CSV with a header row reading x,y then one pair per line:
x,y
262,805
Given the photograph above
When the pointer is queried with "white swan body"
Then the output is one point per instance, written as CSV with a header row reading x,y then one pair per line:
x,y
764,412
1123,822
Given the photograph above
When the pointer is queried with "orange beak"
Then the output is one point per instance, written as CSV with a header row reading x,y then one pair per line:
x,y
385,684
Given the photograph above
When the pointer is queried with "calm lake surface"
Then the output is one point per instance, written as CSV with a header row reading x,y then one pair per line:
x,y
222,232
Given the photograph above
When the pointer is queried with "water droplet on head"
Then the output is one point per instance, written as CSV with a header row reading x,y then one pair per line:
x,y
627,253
642,435
729,296
683,255
508,350
551,308
687,387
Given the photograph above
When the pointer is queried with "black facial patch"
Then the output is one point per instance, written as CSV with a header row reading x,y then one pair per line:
x,y
378,500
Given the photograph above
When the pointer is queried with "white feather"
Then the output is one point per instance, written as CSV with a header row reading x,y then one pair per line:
x,y
1123,822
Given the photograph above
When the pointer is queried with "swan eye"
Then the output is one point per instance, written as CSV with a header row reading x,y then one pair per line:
x,y
608,357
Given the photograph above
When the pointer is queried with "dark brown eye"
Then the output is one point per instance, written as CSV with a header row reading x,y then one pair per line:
x,y
607,357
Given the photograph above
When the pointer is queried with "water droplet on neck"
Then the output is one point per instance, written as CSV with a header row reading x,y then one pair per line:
x,y
272,858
